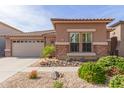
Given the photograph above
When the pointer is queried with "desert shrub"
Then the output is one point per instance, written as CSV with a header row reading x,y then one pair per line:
x,y
117,81
58,84
33,74
111,71
109,61
120,65
48,51
92,73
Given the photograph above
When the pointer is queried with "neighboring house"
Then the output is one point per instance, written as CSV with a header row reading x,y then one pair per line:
x,y
6,30
119,33
87,38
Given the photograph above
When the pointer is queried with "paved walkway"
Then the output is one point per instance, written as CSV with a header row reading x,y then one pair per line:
x,y
11,65
51,69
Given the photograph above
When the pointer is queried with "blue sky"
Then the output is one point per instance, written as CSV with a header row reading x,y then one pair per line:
x,y
37,18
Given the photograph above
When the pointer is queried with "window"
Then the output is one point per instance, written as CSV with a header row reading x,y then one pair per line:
x,y
14,41
18,41
29,41
86,45
21,41
74,42
26,41
41,41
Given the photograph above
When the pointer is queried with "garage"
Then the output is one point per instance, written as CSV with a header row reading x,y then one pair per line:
x,y
27,48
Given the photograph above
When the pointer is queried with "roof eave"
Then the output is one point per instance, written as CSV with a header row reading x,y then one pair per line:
x,y
54,21
117,23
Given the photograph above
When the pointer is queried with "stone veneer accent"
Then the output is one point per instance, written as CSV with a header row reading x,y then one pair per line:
x,y
61,51
100,50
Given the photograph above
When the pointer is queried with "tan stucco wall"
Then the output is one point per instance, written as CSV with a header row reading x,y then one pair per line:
x,y
25,37
116,32
8,47
100,35
50,40
122,32
119,32
121,43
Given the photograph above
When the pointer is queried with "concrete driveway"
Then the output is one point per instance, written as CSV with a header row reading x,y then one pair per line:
x,y
11,65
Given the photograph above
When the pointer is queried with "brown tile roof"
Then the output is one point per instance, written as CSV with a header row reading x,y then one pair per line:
x,y
117,23
40,32
87,19
35,33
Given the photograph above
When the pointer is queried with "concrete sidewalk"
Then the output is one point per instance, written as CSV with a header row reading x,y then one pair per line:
x,y
11,65
51,69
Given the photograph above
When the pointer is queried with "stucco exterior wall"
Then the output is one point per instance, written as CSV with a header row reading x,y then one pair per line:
x,y
8,47
116,32
100,35
50,40
26,37
119,32
121,42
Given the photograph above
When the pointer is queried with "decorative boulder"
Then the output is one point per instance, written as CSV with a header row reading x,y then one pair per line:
x,y
43,63
55,75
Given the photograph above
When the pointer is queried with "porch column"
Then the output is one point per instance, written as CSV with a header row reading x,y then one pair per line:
x,y
8,47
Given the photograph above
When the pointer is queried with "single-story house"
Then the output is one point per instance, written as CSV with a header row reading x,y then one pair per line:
x,y
87,38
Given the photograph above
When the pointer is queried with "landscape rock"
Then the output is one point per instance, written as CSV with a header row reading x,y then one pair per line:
x,y
55,75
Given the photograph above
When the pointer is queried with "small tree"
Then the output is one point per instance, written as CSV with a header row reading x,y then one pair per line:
x,y
48,51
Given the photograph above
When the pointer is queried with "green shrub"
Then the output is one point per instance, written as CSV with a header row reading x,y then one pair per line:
x,y
48,51
109,61
58,84
120,65
92,73
117,82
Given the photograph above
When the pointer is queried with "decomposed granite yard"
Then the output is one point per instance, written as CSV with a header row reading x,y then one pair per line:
x,y
44,80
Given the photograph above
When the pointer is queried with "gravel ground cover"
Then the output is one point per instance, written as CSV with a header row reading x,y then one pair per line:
x,y
44,80
57,63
